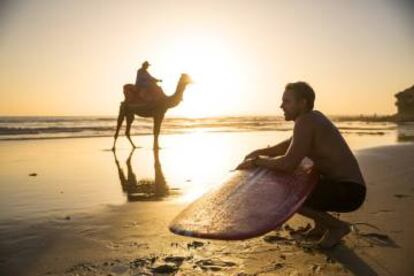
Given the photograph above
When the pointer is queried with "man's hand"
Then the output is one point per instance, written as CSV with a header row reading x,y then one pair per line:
x,y
246,164
252,155
305,165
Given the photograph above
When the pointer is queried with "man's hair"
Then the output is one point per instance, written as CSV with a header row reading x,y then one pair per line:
x,y
302,90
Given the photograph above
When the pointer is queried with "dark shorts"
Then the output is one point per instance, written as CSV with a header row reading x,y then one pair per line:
x,y
341,196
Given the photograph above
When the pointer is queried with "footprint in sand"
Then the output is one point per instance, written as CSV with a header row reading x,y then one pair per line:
x,y
165,269
194,244
214,264
276,239
177,260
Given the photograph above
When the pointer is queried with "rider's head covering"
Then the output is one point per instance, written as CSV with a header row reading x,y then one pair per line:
x,y
146,63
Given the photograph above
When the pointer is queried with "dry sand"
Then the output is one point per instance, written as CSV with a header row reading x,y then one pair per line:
x,y
133,239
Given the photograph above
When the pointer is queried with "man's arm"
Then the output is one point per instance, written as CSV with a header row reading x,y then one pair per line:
x,y
298,149
150,77
277,150
145,76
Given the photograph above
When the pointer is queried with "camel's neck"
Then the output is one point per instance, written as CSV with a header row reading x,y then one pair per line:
x,y
177,97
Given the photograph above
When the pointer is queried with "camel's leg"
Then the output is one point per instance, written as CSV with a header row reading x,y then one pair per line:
x,y
129,120
157,129
121,117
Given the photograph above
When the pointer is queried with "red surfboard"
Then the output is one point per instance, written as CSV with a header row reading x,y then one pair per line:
x,y
248,204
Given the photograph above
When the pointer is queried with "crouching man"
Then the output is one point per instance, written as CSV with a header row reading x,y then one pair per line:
x,y
341,187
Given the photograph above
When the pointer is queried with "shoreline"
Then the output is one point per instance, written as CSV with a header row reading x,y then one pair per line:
x,y
345,131
25,128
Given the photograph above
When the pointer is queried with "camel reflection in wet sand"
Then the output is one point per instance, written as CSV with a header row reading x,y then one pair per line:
x,y
144,189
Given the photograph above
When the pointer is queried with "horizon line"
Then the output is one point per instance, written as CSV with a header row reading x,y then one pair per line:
x,y
214,116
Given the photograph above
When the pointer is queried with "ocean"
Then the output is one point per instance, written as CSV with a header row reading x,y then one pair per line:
x,y
21,128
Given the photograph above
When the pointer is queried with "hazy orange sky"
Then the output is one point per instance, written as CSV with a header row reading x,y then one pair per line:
x,y
71,57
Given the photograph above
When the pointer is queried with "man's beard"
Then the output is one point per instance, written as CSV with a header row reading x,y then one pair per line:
x,y
291,116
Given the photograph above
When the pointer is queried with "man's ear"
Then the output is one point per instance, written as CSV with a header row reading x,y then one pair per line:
x,y
303,103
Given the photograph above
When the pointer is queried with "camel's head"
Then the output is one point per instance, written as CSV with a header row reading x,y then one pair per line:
x,y
178,95
185,79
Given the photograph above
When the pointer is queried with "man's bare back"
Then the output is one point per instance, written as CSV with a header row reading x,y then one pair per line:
x,y
326,148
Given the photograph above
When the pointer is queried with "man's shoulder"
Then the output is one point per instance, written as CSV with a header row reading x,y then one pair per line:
x,y
315,115
312,118
305,121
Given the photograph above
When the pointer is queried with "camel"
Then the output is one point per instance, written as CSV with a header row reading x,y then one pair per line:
x,y
154,110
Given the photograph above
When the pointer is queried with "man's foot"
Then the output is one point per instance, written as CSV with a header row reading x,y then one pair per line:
x,y
315,233
334,235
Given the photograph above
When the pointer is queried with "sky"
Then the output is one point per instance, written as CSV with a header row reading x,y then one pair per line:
x,y
72,57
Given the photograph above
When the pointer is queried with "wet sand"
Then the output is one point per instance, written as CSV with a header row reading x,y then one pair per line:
x,y
127,234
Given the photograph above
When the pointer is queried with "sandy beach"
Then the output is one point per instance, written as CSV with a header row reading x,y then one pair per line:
x,y
70,206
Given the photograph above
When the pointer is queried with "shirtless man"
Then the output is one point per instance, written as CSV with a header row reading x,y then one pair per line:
x,y
341,187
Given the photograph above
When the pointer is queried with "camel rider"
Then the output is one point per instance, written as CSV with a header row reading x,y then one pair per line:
x,y
147,85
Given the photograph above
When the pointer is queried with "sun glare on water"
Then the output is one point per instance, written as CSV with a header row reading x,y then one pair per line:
x,y
215,69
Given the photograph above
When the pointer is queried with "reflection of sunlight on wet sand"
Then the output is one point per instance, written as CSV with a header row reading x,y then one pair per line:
x,y
78,174
192,163
196,163
200,161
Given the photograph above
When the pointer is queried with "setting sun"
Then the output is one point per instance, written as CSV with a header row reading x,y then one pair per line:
x,y
214,66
